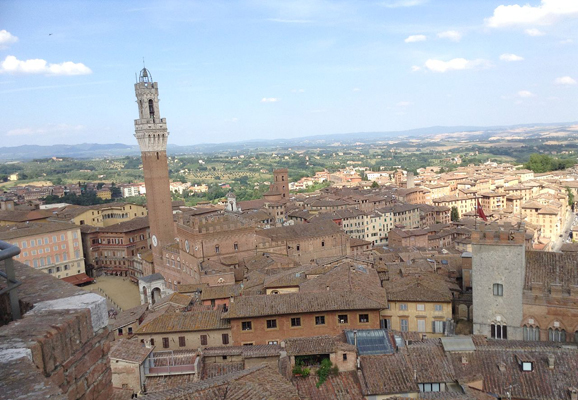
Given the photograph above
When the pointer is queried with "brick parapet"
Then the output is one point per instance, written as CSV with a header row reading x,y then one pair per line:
x,y
60,347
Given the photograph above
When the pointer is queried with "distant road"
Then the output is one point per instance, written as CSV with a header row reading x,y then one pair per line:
x,y
565,232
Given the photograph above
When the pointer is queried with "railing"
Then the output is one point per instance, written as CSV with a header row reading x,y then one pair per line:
x,y
7,251
171,363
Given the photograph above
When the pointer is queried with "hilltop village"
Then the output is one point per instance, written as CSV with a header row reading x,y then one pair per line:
x,y
383,285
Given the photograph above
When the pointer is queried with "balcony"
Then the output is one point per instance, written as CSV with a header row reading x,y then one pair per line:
x,y
171,362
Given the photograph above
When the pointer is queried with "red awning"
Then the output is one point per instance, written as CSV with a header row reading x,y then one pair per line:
x,y
79,279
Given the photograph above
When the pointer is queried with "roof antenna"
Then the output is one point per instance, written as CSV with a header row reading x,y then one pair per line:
x,y
143,63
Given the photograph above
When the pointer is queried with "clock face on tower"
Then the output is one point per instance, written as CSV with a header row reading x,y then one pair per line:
x,y
155,241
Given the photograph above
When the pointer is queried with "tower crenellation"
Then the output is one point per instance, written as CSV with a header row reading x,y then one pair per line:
x,y
150,129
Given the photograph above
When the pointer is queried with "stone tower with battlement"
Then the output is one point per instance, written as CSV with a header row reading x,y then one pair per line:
x,y
498,273
151,134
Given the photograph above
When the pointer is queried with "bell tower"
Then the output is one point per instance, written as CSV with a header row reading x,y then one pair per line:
x,y
151,134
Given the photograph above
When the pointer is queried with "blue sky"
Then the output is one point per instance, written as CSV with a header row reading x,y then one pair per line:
x,y
238,70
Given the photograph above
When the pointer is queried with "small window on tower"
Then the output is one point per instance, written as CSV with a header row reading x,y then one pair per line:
x,y
151,108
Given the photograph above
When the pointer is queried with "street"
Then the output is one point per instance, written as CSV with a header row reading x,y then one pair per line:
x,y
559,241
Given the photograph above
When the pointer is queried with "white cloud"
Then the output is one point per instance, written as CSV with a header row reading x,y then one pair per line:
x,y
356,89
454,36
566,41
403,3
6,39
525,93
565,80
297,90
534,32
547,13
63,129
415,38
234,119
12,65
269,100
415,68
404,103
455,64
510,57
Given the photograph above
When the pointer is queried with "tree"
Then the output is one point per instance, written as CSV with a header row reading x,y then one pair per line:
x,y
455,214
375,184
570,197
99,185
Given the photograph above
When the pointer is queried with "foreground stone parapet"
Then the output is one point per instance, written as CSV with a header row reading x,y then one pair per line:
x,y
59,349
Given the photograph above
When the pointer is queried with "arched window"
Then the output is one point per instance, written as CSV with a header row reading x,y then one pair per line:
x,y
217,250
556,335
531,333
499,330
151,108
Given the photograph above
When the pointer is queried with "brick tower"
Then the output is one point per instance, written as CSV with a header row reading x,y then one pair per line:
x,y
151,134
281,182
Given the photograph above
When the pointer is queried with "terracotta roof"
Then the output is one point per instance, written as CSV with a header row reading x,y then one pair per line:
x,y
387,374
426,287
315,345
128,316
256,383
220,292
190,288
10,232
24,216
344,386
297,303
185,322
130,351
212,370
176,299
550,268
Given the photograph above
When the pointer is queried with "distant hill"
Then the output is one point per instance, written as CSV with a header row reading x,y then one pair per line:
x,y
92,150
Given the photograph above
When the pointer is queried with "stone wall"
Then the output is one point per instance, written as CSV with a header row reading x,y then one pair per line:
x,y
60,346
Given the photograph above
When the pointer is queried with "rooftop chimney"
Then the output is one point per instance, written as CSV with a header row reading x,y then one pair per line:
x,y
551,360
573,393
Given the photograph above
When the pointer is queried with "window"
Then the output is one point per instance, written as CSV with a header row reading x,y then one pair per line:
x,y
527,366
32,243
152,342
531,333
556,335
217,250
342,319
271,324
165,343
429,387
246,326
45,240
498,289
272,342
119,331
323,244
420,307
130,330
247,344
499,331
363,318
404,325
421,325
344,356
225,338
295,322
320,320
298,247
204,340
181,341
439,307
403,307
438,327
235,246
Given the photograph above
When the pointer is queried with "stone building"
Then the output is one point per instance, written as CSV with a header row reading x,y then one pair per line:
x,y
498,269
52,247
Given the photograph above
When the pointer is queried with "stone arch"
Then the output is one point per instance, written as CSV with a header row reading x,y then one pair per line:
x,y
156,294
463,311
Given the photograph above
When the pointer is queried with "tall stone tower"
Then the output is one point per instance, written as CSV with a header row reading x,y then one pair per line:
x,y
151,134
498,273
281,182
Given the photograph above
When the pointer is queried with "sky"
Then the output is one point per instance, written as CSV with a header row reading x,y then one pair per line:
x,y
252,69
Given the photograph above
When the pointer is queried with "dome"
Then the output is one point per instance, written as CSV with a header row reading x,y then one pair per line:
x,y
145,76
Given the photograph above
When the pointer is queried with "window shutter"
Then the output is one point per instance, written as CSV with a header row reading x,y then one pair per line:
x,y
444,324
225,338
433,327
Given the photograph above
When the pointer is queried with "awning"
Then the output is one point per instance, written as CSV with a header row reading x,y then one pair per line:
x,y
79,279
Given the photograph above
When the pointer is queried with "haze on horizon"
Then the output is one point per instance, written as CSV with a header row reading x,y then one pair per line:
x,y
266,69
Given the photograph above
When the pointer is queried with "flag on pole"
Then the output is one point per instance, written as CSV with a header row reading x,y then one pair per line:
x,y
480,211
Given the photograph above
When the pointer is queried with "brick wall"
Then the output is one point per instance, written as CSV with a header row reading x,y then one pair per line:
x,y
60,347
